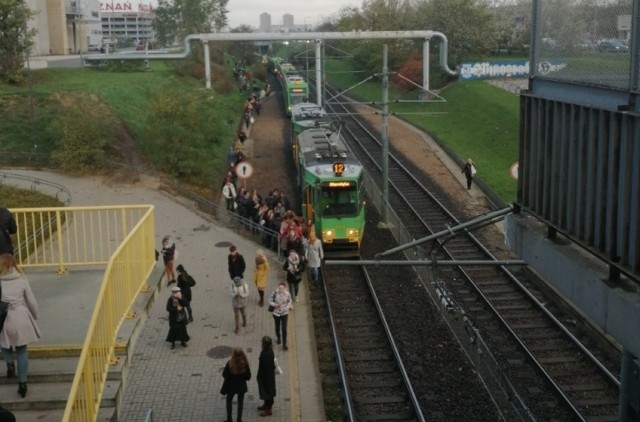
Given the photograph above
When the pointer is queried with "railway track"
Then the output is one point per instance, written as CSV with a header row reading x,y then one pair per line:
x,y
552,373
377,383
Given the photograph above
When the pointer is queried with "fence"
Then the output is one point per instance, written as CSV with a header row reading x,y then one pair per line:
x,y
589,39
120,238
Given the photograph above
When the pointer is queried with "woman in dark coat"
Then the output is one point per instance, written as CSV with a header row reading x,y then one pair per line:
x,y
266,376
236,373
178,318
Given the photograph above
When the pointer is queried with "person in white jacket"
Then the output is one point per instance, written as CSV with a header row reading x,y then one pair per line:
x,y
229,193
239,293
20,327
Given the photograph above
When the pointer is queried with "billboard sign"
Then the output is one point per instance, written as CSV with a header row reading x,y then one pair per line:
x,y
126,6
516,69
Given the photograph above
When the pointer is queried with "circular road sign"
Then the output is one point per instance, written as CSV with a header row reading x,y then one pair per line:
x,y
244,170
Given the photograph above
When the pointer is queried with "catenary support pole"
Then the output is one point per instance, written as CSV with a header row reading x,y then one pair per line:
x,y
319,72
425,66
207,64
384,131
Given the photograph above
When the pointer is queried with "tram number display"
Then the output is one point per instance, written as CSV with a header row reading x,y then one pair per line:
x,y
338,169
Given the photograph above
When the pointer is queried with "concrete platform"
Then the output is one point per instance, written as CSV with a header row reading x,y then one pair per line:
x,y
183,384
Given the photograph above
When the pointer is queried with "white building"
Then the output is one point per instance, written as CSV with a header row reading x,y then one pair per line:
x,y
64,26
127,20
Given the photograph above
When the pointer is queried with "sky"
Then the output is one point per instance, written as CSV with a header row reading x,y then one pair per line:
x,y
311,12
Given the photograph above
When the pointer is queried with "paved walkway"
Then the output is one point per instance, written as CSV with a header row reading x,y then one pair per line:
x,y
183,384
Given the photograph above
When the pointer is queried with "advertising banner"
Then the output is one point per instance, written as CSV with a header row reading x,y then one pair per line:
x,y
516,69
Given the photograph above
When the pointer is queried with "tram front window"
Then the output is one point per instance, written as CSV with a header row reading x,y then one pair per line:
x,y
339,202
297,99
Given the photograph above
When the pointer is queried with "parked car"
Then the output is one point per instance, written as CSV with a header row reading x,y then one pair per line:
x,y
612,45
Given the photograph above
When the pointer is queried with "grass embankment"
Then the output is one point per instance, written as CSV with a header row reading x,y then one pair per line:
x,y
169,122
478,121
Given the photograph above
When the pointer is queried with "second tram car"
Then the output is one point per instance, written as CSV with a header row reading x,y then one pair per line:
x,y
306,116
295,89
330,181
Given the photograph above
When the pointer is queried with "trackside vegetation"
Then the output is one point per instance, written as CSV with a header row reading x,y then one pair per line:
x,y
89,120
478,121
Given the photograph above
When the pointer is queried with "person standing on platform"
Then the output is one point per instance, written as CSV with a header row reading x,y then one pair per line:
x,y
8,227
236,263
186,282
229,193
266,376
239,294
178,319
294,273
168,256
20,327
236,373
314,256
261,274
469,171
281,302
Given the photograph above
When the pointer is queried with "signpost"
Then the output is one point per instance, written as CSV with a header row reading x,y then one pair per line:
x,y
244,170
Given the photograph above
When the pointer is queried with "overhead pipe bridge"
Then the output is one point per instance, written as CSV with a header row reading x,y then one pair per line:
x,y
317,37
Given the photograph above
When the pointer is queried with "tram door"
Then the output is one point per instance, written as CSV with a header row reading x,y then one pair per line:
x,y
307,203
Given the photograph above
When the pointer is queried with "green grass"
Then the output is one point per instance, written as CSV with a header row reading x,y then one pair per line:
x,y
11,197
478,121
27,113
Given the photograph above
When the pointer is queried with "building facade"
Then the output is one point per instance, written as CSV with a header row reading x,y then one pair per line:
x,y
64,26
127,22
265,22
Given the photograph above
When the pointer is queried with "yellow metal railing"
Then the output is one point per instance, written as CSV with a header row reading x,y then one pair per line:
x,y
72,236
120,237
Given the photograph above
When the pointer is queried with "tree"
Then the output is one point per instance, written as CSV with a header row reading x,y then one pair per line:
x,y
175,19
468,25
16,39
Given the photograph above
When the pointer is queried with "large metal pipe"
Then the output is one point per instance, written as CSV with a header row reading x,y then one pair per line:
x,y
286,36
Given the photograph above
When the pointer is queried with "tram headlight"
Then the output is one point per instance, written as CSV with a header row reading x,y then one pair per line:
x,y
353,235
328,235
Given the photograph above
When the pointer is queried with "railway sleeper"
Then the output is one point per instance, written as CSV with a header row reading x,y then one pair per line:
x,y
356,344
605,401
583,387
513,306
533,325
377,357
377,399
358,323
604,418
560,359
407,416
377,383
368,369
506,297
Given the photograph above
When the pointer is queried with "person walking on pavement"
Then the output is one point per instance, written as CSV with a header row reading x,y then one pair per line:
x,y
186,282
469,171
168,256
236,373
8,227
281,302
266,377
178,319
239,294
20,327
261,274
294,272
236,263
314,256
